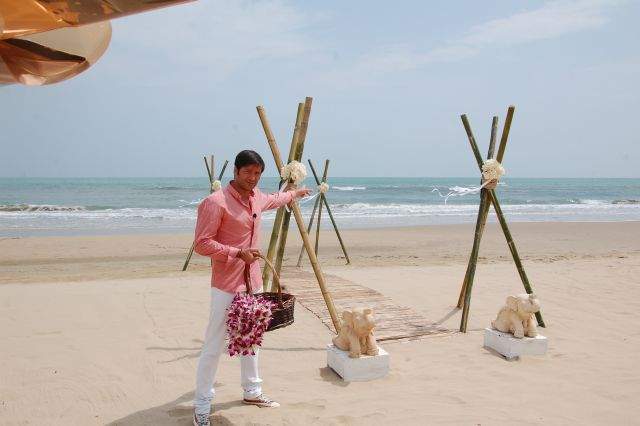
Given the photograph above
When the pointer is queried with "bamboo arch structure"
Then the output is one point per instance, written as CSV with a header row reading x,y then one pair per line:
x,y
489,197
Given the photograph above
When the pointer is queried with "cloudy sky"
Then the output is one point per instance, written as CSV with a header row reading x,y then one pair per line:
x,y
389,82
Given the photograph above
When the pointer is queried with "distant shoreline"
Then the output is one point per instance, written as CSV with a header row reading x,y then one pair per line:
x,y
125,256
267,225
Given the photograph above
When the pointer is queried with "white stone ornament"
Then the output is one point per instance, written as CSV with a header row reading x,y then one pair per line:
x,y
517,316
514,332
355,354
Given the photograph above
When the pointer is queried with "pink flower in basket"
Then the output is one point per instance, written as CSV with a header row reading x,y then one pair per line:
x,y
247,320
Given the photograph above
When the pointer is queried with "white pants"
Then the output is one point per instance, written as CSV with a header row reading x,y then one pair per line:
x,y
214,345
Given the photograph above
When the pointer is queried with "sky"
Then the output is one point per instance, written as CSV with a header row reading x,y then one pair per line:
x,y
389,81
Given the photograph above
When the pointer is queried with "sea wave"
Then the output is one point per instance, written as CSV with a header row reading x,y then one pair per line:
x,y
350,188
39,208
406,210
353,215
593,202
175,188
185,203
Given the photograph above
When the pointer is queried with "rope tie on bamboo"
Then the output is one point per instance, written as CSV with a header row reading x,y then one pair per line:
x,y
491,170
216,185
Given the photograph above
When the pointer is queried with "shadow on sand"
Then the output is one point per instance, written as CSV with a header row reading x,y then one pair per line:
x,y
177,412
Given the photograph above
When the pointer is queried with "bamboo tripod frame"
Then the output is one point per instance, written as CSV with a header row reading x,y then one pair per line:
x,y
488,197
210,165
300,134
320,201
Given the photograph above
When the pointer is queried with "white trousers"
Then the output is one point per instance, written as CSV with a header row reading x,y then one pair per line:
x,y
215,345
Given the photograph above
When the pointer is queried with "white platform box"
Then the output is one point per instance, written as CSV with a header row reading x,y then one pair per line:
x,y
512,347
360,369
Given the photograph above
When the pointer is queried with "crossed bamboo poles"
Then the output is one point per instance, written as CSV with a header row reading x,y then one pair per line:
x,y
211,173
280,230
322,199
487,198
299,135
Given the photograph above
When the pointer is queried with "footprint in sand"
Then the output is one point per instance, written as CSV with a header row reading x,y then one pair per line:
x,y
315,406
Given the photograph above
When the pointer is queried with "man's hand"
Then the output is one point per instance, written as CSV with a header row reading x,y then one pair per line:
x,y
249,255
493,183
302,192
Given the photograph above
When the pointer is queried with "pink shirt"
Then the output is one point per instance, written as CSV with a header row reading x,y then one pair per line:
x,y
226,224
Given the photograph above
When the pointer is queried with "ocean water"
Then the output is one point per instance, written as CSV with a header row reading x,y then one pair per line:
x,y
51,206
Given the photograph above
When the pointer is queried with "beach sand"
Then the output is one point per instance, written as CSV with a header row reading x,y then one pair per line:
x,y
107,330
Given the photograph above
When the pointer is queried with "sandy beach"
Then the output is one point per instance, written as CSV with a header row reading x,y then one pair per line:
x,y
107,330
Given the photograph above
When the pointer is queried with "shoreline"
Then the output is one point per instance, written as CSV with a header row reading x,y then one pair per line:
x,y
128,256
326,225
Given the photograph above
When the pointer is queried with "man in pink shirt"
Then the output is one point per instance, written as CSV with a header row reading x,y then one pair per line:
x,y
228,231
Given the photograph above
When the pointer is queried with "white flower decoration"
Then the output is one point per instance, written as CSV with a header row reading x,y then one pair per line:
x,y
491,170
323,187
294,172
216,185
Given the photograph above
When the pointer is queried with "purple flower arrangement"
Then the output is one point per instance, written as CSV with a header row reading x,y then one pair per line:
x,y
247,320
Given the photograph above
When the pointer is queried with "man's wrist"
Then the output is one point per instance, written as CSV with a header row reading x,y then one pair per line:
x,y
235,252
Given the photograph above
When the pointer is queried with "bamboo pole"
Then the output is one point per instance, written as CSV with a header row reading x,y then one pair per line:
x,y
206,164
503,222
473,258
271,251
492,145
300,222
514,252
333,221
224,167
296,150
324,179
210,172
186,262
277,223
313,213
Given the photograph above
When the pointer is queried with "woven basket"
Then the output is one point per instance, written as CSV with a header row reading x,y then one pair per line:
x,y
282,312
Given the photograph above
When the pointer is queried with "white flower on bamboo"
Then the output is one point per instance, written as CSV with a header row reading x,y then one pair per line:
x,y
293,172
323,187
216,185
491,170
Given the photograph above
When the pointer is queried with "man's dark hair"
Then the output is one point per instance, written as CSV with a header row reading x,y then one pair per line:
x,y
247,158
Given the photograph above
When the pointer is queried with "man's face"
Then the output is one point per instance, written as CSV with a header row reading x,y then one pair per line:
x,y
247,177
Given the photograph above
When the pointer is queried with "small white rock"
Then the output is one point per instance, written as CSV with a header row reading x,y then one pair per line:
x,y
360,369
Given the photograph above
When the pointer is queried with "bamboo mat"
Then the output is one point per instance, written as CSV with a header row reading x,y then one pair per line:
x,y
393,322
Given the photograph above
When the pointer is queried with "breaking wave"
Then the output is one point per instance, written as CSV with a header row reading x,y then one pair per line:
x,y
349,188
39,208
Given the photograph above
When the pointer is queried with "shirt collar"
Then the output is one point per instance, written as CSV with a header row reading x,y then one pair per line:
x,y
234,192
